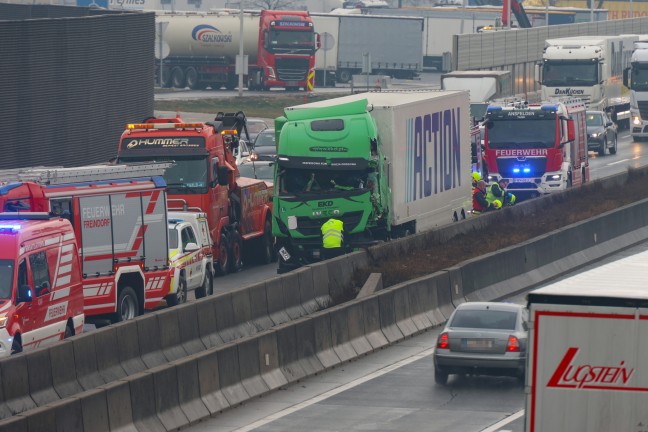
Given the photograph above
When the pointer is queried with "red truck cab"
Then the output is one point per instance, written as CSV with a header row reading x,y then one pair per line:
x,y
205,177
41,295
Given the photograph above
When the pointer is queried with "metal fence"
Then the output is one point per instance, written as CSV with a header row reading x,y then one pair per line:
x,y
70,79
519,50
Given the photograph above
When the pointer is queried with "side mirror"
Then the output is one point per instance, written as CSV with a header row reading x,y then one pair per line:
x,y
318,41
571,131
538,73
223,176
608,124
24,294
191,247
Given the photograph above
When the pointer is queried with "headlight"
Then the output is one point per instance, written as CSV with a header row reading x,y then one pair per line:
x,y
594,135
3,321
636,120
554,177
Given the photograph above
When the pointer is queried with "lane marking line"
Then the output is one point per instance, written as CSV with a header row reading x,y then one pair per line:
x,y
504,422
618,162
335,391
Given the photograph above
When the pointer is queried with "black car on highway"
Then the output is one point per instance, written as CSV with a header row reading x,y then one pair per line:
x,y
601,132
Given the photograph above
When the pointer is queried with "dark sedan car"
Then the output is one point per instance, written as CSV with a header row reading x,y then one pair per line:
x,y
483,338
601,132
264,145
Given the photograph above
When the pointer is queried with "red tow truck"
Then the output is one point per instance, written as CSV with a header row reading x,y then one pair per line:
x,y
205,178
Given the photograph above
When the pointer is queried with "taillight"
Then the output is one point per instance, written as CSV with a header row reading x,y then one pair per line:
x,y
443,341
513,344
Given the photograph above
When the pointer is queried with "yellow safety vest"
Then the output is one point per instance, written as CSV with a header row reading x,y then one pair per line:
x,y
332,233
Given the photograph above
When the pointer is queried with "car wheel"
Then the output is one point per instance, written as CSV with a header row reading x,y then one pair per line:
x,y
602,148
16,345
613,149
440,377
180,296
222,266
206,288
127,305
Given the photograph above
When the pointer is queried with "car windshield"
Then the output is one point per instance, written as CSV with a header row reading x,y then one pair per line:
x,y
173,238
263,171
6,278
265,139
188,175
484,319
594,120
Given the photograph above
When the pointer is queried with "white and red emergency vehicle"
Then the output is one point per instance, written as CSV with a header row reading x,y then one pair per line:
x,y
41,297
190,255
539,148
119,217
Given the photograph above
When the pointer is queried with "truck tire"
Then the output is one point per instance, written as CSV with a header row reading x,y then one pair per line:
x,y
193,79
69,331
166,77
222,266
16,345
344,76
265,252
180,296
235,252
127,305
232,82
178,77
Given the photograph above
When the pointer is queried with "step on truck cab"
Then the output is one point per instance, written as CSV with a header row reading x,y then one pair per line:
x,y
119,216
41,295
190,255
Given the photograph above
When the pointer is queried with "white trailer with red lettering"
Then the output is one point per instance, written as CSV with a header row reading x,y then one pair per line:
x,y
587,369
119,216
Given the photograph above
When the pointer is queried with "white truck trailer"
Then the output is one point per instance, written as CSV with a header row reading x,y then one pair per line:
x,y
590,68
587,367
636,79
394,45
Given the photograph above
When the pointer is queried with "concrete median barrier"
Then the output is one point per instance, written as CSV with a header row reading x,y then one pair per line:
x,y
4,409
170,340
128,347
15,384
40,419
14,424
189,398
307,290
250,368
209,381
242,311
259,307
207,325
291,296
64,370
340,269
340,334
371,314
149,335
321,284
324,341
142,394
289,363
41,384
420,292
229,375
68,414
225,320
85,360
305,338
167,400
357,331
403,313
388,316
120,411
108,363
269,361
188,326
275,296
94,410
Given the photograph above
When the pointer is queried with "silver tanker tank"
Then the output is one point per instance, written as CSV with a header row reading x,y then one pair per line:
x,y
210,35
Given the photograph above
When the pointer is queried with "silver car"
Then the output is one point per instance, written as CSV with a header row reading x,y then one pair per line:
x,y
483,338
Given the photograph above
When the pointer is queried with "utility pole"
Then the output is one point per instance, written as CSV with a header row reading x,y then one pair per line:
x,y
240,75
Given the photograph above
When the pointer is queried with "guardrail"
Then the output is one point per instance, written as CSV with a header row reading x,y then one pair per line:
x,y
172,368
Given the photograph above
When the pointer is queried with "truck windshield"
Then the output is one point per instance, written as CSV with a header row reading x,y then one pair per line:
x,y
291,41
639,78
300,181
187,176
566,73
521,133
6,278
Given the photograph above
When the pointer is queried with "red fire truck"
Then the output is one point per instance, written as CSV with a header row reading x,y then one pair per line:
x,y
205,177
119,218
539,148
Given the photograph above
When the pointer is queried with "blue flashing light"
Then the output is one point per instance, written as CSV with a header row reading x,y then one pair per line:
x,y
159,181
516,170
12,228
175,221
527,170
549,107
494,108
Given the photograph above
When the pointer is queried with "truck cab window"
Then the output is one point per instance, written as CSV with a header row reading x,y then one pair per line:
x,y
6,278
40,273
63,208
22,273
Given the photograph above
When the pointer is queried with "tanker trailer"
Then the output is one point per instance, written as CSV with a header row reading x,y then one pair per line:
x,y
199,50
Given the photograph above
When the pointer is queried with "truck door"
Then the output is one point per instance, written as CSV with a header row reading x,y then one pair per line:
x,y
192,273
26,311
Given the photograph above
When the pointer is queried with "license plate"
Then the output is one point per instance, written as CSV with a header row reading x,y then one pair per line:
x,y
479,343
522,180
284,254
292,83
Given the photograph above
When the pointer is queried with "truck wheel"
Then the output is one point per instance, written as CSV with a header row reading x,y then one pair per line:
x,y
344,76
193,79
236,249
127,305
166,77
223,256
266,253
69,331
613,149
180,296
232,82
602,148
440,377
178,77
16,345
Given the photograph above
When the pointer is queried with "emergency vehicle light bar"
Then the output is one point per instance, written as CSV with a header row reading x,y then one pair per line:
x,y
132,126
229,132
